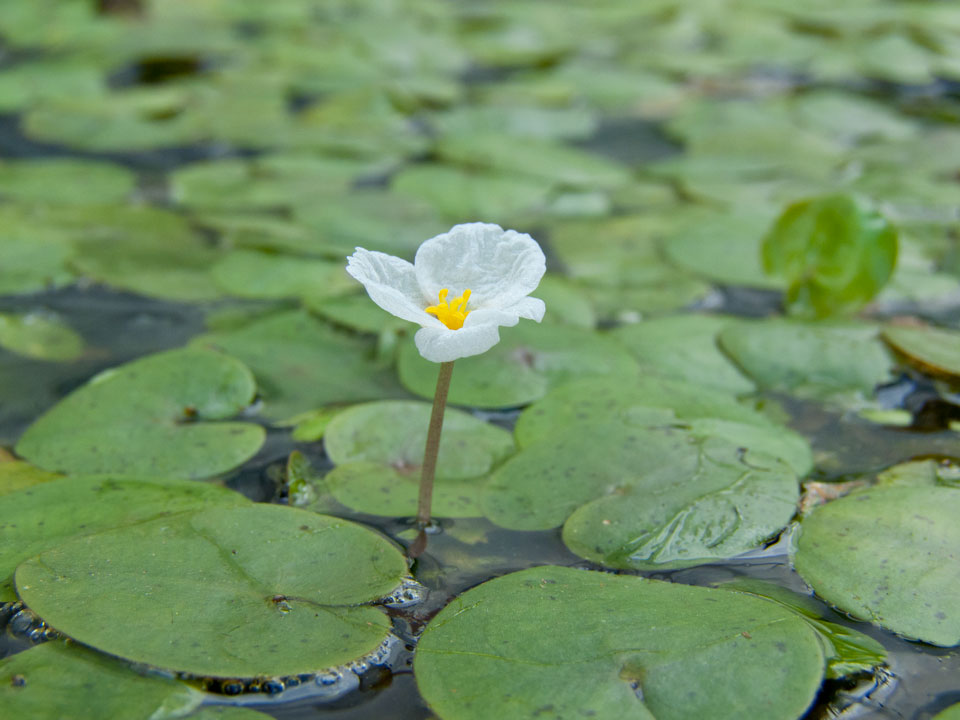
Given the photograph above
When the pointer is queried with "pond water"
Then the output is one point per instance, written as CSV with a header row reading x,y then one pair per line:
x,y
751,224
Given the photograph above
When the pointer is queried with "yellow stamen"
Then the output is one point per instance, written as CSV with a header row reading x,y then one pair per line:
x,y
451,314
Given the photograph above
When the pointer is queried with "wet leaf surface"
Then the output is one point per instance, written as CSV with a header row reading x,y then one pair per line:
x,y
266,590
486,653
163,415
56,680
885,555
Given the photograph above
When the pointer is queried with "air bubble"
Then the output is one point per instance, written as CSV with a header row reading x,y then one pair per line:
x,y
329,677
409,593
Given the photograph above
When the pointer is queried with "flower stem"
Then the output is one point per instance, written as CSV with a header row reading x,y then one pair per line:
x,y
429,467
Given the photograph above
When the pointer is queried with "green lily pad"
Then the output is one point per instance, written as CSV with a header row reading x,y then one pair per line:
x,y
933,350
920,473
394,434
43,336
251,274
617,647
370,218
301,364
685,347
55,681
33,263
36,519
550,162
886,555
835,252
848,651
65,182
722,247
461,195
267,183
528,360
566,302
632,399
356,312
644,496
175,268
132,119
225,592
385,490
151,417
28,83
817,360
17,475
716,499
951,713
378,449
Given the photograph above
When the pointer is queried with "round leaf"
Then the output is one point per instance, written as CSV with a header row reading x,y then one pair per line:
x,y
36,519
617,647
685,347
528,360
809,359
301,363
149,417
55,681
888,555
932,349
225,592
394,434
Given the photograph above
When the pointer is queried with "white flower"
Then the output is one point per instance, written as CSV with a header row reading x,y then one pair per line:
x,y
486,270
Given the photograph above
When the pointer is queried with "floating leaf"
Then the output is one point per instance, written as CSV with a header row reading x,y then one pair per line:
x,y
835,253
528,360
933,350
886,555
225,592
809,359
65,182
951,713
550,162
641,497
848,651
717,500
151,417
617,646
250,274
39,335
56,680
17,475
33,263
385,490
394,433
685,347
631,398
461,196
722,246
378,449
38,518
270,182
301,363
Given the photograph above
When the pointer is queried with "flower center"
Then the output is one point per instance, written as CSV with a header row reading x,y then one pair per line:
x,y
451,314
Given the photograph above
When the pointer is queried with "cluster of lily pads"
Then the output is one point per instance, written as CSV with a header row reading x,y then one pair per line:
x,y
749,210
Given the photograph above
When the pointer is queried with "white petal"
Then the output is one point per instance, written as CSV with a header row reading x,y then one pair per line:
x,y
392,284
499,267
529,307
443,345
